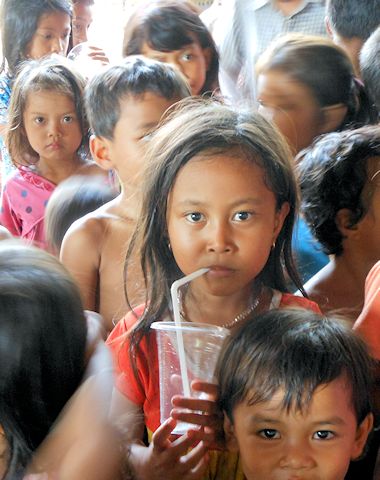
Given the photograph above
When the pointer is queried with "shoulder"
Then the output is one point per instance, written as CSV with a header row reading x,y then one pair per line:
x,y
289,300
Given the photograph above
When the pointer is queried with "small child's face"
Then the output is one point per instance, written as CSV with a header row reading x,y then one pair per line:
x,y
192,60
138,118
317,444
81,22
291,106
52,126
52,36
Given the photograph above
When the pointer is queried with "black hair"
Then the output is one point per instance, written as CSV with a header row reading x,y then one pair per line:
x,y
333,175
72,199
42,347
19,20
353,18
297,351
170,25
370,66
134,77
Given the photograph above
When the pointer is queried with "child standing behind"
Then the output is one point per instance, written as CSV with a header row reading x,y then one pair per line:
x,y
47,125
295,391
172,32
124,104
340,184
219,193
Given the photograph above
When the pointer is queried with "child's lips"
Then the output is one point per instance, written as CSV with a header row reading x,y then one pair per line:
x,y
220,271
54,146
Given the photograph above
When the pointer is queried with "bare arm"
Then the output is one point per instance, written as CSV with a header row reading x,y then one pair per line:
x,y
80,253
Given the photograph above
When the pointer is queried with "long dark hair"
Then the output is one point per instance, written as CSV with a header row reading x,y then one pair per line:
x,y
42,348
207,127
169,25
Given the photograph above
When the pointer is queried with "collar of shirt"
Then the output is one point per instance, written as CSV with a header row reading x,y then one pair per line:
x,y
260,3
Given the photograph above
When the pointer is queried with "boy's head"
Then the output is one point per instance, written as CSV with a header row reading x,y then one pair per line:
x,y
339,179
295,390
124,103
351,22
370,66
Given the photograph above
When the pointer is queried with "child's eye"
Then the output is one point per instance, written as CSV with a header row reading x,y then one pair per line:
x,y
323,435
39,120
194,217
270,434
242,216
48,36
67,119
187,56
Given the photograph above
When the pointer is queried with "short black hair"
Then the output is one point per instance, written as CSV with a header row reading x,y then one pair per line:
x,y
134,77
370,66
19,20
332,176
296,350
353,18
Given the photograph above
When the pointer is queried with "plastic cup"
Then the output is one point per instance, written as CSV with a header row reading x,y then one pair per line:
x,y
201,344
86,65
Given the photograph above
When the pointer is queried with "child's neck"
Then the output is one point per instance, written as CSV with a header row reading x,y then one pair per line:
x,y
129,201
227,311
56,172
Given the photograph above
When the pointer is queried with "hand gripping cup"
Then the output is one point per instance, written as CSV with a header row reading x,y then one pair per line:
x,y
201,347
186,351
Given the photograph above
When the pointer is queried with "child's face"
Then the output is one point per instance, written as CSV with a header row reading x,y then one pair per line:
x,y
138,117
317,444
221,215
52,126
82,19
291,106
52,36
192,60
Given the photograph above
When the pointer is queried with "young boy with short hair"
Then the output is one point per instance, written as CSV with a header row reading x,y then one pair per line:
x,y
295,391
340,190
124,104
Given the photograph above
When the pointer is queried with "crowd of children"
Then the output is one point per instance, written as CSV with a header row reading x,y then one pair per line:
x,y
148,172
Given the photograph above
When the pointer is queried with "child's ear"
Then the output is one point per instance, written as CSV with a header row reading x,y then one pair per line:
x,y
100,150
332,117
343,222
362,433
229,435
281,215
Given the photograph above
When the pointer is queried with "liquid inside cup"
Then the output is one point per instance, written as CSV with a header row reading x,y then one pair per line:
x,y
202,344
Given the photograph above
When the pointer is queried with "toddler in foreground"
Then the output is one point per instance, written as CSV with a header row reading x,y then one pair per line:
x,y
295,391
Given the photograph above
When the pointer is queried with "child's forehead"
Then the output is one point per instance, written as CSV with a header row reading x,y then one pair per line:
x,y
325,399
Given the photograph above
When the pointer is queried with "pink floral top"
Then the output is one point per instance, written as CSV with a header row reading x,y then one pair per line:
x,y
23,202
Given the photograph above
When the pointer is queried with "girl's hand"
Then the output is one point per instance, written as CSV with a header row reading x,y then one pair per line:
x,y
98,54
204,412
184,458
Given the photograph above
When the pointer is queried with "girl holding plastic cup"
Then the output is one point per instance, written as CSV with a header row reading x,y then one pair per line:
x,y
220,194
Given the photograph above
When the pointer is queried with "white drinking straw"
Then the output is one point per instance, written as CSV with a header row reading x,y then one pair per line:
x,y
177,319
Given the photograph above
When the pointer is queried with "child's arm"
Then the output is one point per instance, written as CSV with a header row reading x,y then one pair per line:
x,y
8,217
184,458
80,254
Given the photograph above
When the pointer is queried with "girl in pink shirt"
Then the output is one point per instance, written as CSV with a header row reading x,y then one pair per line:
x,y
47,141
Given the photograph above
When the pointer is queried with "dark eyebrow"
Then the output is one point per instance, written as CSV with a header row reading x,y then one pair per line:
x,y
241,201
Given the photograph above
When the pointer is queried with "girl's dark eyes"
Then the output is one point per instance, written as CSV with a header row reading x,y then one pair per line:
x,y
270,434
194,217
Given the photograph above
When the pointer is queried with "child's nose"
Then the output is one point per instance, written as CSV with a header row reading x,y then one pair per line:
x,y
297,456
54,129
219,239
58,46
